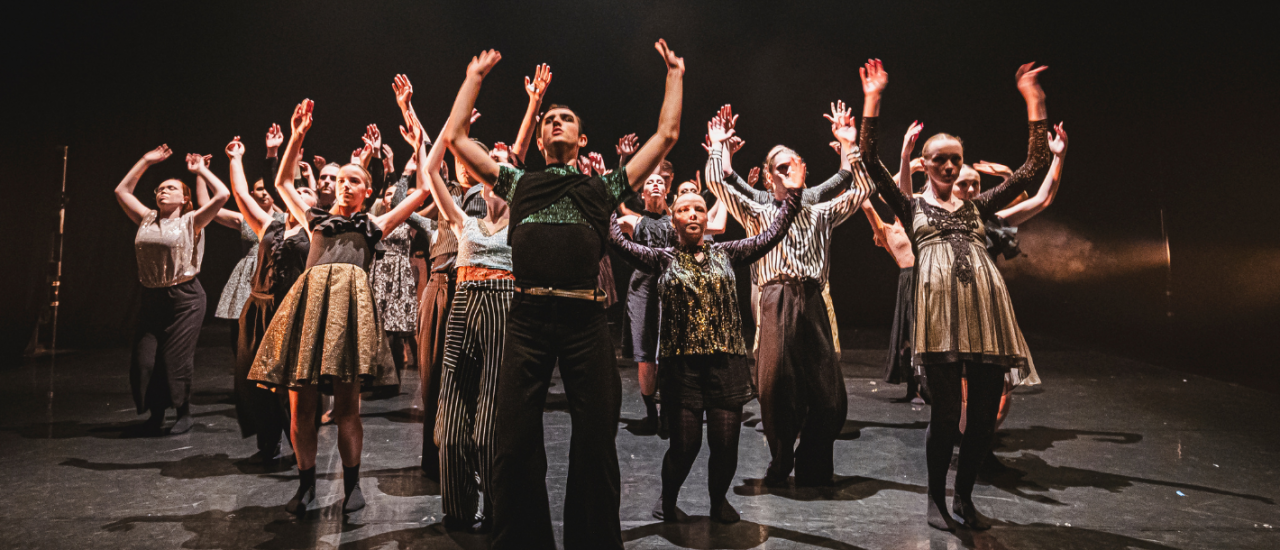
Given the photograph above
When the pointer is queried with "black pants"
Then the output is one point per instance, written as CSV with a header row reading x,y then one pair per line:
x,y
801,387
260,411
164,348
541,331
986,383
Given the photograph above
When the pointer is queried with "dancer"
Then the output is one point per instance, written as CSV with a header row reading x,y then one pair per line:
x,y
801,387
717,215
391,277
703,355
651,228
281,256
170,246
965,322
324,337
559,226
473,352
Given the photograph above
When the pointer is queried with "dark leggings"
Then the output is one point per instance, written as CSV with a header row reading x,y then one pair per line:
x,y
986,382
685,425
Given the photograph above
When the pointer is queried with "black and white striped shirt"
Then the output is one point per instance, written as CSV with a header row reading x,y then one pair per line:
x,y
802,255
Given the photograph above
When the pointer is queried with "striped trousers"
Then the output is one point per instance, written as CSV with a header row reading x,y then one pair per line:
x,y
468,388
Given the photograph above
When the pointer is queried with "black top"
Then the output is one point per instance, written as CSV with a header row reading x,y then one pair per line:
x,y
280,260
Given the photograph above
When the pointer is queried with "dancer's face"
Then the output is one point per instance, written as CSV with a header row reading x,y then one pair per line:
x,y
968,184
261,195
353,187
308,196
171,195
786,165
655,187
686,188
689,216
328,182
943,159
560,131
387,196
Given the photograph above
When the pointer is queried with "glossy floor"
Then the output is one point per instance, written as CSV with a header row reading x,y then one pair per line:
x,y
1107,454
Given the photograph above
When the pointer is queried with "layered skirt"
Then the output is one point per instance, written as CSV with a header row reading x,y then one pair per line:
x,y
969,320
238,287
897,368
325,330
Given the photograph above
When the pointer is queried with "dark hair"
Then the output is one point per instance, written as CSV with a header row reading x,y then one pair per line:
x,y
187,206
567,108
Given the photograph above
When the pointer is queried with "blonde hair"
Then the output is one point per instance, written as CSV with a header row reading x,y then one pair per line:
x,y
770,162
940,137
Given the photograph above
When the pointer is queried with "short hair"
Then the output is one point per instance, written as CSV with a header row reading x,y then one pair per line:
x,y
576,116
769,161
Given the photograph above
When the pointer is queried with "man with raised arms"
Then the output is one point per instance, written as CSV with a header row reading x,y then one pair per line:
x,y
559,227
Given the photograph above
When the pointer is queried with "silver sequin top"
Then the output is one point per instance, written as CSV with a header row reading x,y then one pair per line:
x,y
479,248
169,250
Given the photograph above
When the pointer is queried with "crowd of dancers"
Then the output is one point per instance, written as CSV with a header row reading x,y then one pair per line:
x,y
494,278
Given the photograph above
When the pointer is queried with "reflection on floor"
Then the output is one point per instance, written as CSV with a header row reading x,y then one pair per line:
x,y
1107,454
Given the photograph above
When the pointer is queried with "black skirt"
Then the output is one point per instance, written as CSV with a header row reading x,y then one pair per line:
x,y
717,381
258,408
897,367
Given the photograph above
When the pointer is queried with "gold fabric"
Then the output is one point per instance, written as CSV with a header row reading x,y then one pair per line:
x,y
325,330
963,310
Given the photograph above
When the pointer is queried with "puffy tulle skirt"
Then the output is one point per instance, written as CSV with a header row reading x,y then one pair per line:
x,y
325,330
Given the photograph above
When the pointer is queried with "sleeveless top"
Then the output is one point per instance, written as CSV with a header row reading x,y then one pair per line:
x,y
343,240
281,260
169,250
479,248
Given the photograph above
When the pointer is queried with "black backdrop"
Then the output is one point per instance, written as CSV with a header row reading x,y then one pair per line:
x,y
1164,107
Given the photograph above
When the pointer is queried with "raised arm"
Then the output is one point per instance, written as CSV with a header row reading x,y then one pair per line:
x,y
124,191
717,219
846,134
904,166
874,80
1017,214
205,213
472,156
739,205
1037,145
627,146
299,123
749,250
253,214
537,89
657,147
648,260
224,217
451,214
877,224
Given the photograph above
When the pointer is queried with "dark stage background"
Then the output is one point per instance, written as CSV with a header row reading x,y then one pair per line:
x,y
1163,108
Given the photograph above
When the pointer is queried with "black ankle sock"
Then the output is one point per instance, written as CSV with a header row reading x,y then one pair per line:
x,y
306,492
650,406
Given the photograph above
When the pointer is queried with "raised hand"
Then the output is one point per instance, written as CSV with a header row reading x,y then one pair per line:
x,y
1029,83
874,77
734,143
917,165
483,63
717,132
388,159
842,123
795,178
195,162
627,145
156,155
475,115
305,170
300,122
206,159
993,169
584,165
597,162
403,90
628,224
235,149
1058,143
319,161
909,140
834,145
275,138
673,63
355,155
372,137
725,114
753,176
537,87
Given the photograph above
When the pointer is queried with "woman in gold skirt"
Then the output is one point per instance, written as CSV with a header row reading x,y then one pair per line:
x,y
965,326
324,336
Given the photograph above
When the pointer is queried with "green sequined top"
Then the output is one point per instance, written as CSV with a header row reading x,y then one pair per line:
x,y
700,314
563,211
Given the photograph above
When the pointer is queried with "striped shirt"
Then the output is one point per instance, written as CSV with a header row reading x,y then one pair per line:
x,y
802,255
472,203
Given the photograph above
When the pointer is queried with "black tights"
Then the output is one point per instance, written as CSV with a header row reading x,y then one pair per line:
x,y
986,382
685,425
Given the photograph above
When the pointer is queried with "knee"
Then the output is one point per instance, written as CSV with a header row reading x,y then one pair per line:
x,y
687,451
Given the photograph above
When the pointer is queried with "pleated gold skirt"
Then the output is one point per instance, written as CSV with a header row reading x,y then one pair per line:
x,y
325,330
967,321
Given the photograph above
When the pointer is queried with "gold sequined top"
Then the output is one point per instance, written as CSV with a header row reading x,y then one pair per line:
x,y
699,296
169,250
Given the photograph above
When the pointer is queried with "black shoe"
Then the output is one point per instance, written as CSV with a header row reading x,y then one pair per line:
x,y
183,425
354,501
939,518
723,512
301,501
776,481
969,516
669,514
354,497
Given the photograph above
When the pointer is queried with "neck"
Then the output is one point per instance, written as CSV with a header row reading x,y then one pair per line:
x,y
497,208
656,204
562,155
939,191
345,210
690,241
169,212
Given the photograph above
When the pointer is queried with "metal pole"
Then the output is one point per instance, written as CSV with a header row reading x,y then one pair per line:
x,y
1168,268
57,259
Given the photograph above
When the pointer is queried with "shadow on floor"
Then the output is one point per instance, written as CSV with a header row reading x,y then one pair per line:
x,y
1028,472
845,488
402,416
1040,438
853,428
1011,536
702,533
191,467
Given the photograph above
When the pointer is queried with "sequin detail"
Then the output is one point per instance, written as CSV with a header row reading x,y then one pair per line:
x,y
563,211
700,301
956,228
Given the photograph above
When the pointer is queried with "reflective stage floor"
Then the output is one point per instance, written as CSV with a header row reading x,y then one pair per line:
x,y
1108,453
